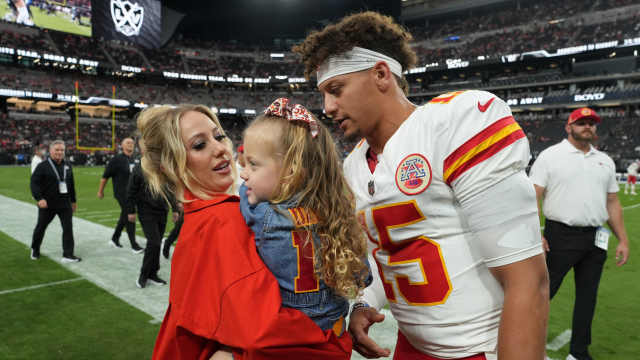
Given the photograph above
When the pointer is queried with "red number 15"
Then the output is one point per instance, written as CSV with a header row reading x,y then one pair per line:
x,y
419,269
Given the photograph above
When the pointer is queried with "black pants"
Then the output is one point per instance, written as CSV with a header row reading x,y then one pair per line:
x,y
153,226
573,247
123,222
173,235
44,219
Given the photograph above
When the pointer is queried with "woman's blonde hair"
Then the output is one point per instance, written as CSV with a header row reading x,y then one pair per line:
x,y
164,159
312,173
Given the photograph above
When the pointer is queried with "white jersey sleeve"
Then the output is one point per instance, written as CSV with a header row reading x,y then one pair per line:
x,y
484,144
484,164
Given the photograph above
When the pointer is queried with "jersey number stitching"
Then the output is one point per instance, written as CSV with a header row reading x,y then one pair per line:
x,y
306,280
410,256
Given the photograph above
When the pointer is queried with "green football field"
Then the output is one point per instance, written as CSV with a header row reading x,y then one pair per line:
x,y
76,319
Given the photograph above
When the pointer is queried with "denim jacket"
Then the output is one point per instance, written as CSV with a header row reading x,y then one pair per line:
x,y
280,243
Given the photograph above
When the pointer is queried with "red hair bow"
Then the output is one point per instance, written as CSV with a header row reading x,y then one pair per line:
x,y
281,108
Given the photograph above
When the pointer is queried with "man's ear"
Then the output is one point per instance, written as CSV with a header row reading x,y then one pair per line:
x,y
383,76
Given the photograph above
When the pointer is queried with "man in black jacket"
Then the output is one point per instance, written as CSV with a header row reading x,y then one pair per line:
x,y
152,212
119,168
53,187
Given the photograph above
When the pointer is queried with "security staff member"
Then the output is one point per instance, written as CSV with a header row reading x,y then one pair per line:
x,y
152,211
119,168
53,187
173,235
579,187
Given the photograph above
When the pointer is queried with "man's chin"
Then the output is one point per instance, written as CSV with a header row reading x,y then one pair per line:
x,y
351,135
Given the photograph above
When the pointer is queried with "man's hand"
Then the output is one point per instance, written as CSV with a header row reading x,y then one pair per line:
x,y
100,194
622,253
359,322
42,204
74,207
131,218
545,244
175,216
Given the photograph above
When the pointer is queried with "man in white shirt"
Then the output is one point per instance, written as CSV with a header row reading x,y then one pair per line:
x,y
39,154
579,190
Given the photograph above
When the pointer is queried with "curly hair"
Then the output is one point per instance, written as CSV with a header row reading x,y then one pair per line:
x,y
369,30
312,172
164,159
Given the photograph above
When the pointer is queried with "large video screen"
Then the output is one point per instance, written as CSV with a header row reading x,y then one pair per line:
x,y
73,16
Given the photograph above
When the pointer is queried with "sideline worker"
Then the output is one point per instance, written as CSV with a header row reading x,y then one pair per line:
x,y
579,190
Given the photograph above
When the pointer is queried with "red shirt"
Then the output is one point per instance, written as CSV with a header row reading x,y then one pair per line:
x,y
222,293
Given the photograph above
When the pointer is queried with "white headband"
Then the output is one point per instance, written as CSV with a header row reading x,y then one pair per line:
x,y
356,59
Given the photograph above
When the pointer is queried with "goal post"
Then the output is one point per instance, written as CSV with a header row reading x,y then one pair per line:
x,y
79,145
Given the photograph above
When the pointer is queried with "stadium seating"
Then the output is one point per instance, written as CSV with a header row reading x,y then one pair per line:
x,y
489,32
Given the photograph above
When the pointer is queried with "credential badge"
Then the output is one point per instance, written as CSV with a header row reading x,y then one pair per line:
x,y
127,17
413,174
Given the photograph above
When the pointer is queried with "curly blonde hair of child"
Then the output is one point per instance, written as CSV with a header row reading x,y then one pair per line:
x,y
164,159
369,30
312,173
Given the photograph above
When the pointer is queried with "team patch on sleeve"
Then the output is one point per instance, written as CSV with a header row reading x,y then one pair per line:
x,y
482,146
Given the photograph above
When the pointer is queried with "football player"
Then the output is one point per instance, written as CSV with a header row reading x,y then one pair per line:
x,y
21,11
442,193
632,175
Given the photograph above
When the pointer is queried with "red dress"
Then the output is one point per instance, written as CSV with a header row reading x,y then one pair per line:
x,y
222,293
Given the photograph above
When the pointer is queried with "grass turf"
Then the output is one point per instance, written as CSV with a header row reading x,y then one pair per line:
x,y
79,320
73,320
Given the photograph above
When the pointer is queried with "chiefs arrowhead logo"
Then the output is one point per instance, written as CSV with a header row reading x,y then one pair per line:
x,y
486,105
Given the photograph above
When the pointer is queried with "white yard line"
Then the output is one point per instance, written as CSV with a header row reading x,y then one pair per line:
x,y
114,270
26,288
81,211
631,206
559,341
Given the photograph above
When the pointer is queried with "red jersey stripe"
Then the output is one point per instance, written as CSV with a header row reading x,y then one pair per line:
x,y
485,154
477,139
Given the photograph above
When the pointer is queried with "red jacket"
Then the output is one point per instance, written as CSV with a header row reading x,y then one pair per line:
x,y
222,293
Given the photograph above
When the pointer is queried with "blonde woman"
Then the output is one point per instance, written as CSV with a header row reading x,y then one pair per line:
x,y
221,291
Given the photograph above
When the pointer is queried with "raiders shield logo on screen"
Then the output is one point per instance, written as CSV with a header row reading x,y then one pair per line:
x,y
127,17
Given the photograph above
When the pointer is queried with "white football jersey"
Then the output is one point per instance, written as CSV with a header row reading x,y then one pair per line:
x,y
632,169
438,286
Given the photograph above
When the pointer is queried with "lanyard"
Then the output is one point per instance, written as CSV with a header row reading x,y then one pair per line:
x,y
64,174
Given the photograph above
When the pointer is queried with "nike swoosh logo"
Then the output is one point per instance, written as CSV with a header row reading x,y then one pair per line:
x,y
486,105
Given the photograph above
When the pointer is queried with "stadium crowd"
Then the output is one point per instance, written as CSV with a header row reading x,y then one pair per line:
x,y
478,33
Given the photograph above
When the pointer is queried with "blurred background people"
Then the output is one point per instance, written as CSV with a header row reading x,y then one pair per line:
x,y
119,168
